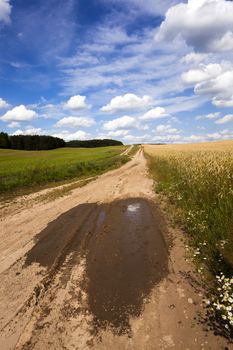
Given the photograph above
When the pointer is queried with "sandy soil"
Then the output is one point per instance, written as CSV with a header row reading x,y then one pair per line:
x,y
96,269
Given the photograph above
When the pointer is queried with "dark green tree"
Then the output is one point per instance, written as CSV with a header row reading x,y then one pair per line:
x,y
4,140
36,142
93,143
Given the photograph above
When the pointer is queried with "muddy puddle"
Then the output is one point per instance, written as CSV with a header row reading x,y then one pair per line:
x,y
125,257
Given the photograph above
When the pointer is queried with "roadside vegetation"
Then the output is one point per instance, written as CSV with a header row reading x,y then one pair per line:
x,y
198,181
22,170
133,150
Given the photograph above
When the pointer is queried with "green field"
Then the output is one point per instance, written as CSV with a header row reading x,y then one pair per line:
x,y
26,169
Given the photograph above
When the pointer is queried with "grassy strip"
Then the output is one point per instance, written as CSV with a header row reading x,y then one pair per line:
x,y
10,204
133,150
39,174
63,190
200,185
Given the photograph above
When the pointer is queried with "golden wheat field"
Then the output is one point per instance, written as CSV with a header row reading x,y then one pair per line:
x,y
219,146
198,180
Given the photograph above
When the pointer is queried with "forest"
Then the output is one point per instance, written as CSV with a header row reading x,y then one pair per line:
x,y
94,143
42,142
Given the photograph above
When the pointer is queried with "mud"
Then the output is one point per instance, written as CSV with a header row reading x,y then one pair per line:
x,y
125,260
124,251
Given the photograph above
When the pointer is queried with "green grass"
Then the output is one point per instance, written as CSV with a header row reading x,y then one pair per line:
x,y
27,169
134,150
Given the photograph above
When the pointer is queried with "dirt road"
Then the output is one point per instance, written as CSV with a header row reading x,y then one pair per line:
x,y
96,269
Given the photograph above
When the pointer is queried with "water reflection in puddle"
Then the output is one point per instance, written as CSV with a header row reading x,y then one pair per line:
x,y
132,208
133,211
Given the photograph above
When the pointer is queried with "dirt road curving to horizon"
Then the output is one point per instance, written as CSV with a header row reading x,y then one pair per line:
x,y
99,269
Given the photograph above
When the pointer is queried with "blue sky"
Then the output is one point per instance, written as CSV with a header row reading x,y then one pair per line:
x,y
133,70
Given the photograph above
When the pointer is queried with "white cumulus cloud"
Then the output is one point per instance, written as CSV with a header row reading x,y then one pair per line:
x,y
214,80
166,138
206,25
5,11
3,103
118,133
14,125
203,73
33,131
120,123
194,57
76,102
19,113
113,134
18,132
126,102
210,116
29,131
73,122
67,136
166,129
137,139
226,119
155,113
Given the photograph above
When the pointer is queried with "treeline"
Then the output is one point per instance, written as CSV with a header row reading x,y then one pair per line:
x,y
93,143
37,142
30,142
